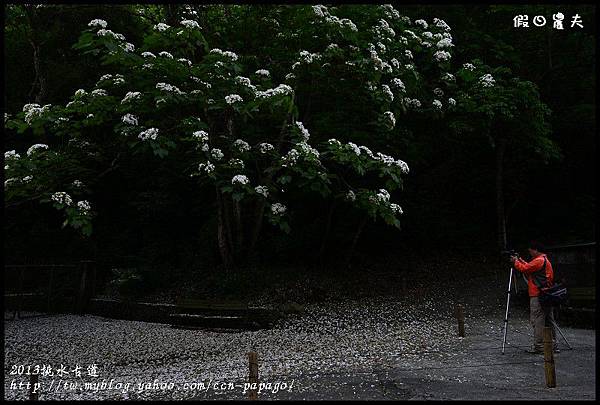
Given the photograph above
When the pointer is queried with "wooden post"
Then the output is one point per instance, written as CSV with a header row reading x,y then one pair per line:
x,y
460,316
549,358
33,380
253,378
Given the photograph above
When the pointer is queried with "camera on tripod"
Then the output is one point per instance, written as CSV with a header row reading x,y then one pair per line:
x,y
507,254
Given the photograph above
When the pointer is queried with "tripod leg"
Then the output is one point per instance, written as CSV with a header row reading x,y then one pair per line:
x,y
561,334
507,306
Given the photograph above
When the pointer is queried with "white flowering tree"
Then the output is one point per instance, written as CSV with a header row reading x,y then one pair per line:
x,y
320,107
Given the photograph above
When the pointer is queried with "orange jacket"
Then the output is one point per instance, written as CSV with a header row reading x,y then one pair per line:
x,y
530,269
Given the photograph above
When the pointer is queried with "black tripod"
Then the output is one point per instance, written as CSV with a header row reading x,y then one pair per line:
x,y
510,279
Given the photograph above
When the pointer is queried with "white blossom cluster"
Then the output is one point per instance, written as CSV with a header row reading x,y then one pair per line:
x,y
166,54
148,55
150,133
265,147
451,102
422,23
7,182
308,150
81,92
383,158
378,63
389,119
487,80
228,54
116,79
130,119
131,95
244,81
62,198
190,24
34,111
237,163
323,13
77,183
162,27
354,148
108,33
469,66
27,179
186,61
290,158
262,190
382,196
201,136
33,148
449,77
262,72
445,43
441,56
412,102
281,90
240,179
437,104
97,23
332,47
168,88
397,83
387,93
278,209
241,145
303,130
233,98
199,81
441,24
384,32
99,93
217,154
84,207
438,92
396,209
11,154
307,57
350,196
390,11
207,167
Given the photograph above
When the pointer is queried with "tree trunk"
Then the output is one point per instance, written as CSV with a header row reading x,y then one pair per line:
x,y
260,211
258,220
223,240
361,226
239,230
39,82
171,11
326,232
500,209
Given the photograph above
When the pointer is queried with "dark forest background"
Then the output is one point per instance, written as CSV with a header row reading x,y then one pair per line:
x,y
161,225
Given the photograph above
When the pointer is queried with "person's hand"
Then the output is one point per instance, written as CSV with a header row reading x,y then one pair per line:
x,y
513,259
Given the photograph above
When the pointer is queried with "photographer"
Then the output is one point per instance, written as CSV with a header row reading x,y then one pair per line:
x,y
539,274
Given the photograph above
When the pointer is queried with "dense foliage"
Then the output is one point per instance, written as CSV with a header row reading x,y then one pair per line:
x,y
182,131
